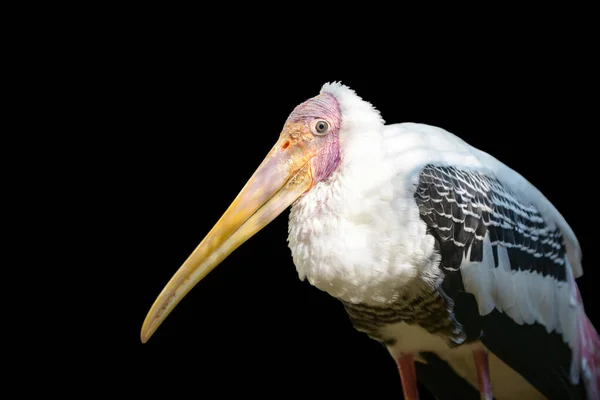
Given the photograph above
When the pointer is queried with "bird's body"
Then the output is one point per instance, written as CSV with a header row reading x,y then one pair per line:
x,y
365,243
434,246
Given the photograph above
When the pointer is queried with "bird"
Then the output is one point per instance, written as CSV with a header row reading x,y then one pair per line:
x,y
439,251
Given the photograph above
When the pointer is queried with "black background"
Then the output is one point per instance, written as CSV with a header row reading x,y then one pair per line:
x,y
179,121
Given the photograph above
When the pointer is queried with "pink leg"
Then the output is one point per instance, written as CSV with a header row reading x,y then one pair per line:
x,y
406,365
483,374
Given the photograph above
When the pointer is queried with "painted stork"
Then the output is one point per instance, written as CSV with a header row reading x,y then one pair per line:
x,y
436,249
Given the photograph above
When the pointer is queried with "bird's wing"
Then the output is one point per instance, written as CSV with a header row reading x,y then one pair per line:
x,y
508,269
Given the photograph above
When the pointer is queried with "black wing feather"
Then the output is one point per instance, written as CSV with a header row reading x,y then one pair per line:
x,y
481,205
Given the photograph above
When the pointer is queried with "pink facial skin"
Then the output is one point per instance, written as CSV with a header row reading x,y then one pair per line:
x,y
323,107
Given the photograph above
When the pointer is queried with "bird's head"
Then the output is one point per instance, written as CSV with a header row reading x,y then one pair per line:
x,y
307,152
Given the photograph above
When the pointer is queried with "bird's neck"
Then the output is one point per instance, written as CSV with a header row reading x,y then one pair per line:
x,y
348,240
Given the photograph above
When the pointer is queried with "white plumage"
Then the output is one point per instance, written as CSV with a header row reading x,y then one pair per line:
x,y
358,236
369,201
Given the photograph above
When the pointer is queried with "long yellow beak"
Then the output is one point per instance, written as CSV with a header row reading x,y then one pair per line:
x,y
282,177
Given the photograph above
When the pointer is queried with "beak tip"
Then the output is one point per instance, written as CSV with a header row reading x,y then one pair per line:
x,y
146,332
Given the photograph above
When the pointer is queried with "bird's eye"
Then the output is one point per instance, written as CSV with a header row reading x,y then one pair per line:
x,y
320,127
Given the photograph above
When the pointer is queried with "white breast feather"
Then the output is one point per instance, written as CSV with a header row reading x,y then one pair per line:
x,y
341,237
